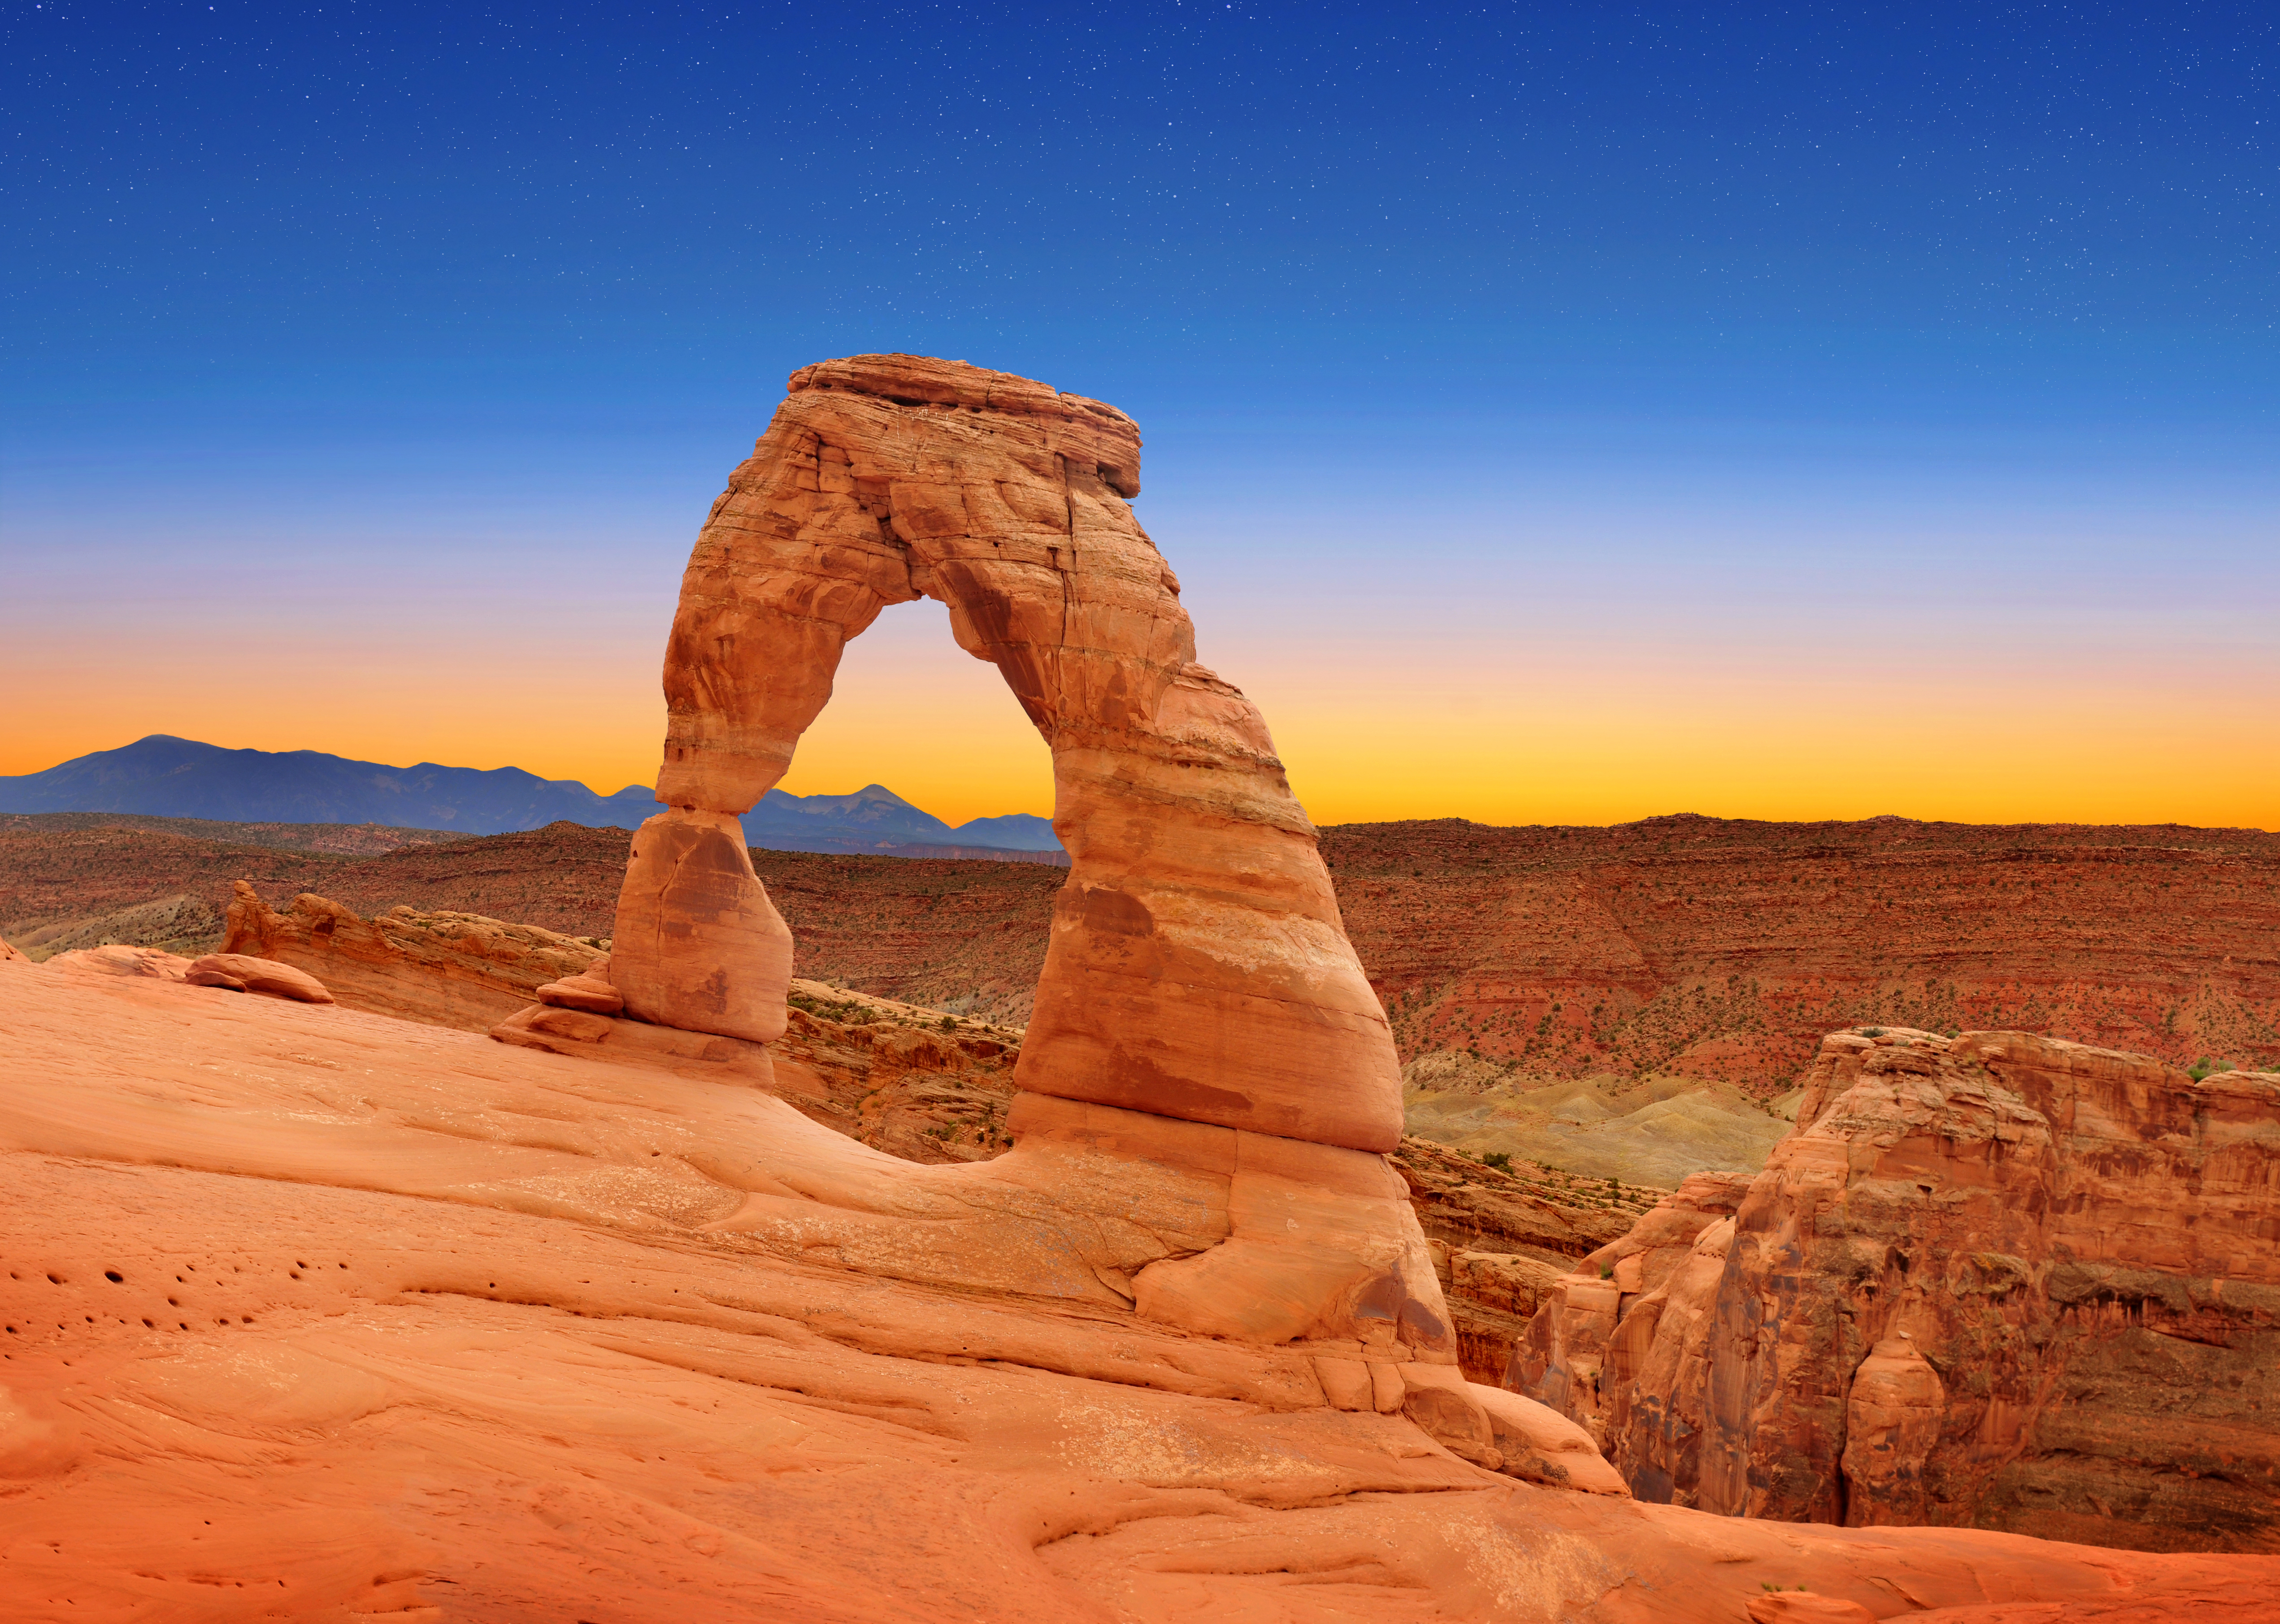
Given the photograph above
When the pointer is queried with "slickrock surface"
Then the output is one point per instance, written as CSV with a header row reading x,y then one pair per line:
x,y
1999,1281
313,1314
919,1085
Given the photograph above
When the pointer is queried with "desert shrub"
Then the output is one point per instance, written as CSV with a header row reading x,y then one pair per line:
x,y
1501,1160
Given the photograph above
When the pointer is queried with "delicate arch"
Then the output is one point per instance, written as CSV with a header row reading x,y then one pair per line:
x,y
1198,967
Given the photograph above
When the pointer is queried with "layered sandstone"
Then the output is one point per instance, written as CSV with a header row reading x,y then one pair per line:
x,y
1722,949
921,1084
1998,1280
1197,966
312,1312
447,969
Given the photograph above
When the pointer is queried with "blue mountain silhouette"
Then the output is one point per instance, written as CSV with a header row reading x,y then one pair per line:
x,y
167,777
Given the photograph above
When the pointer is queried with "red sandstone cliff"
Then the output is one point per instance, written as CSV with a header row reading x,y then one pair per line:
x,y
1997,1282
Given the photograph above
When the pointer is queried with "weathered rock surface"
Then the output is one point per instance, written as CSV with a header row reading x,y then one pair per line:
x,y
698,944
117,959
590,989
1197,967
449,969
371,1318
245,972
1499,1238
2000,1282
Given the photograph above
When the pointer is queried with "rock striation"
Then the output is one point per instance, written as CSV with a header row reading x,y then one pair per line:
x,y
444,968
1998,1281
1197,966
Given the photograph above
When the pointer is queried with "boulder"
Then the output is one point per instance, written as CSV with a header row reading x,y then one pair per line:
x,y
244,972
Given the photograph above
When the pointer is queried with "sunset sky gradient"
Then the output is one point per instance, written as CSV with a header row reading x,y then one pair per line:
x,y
1554,415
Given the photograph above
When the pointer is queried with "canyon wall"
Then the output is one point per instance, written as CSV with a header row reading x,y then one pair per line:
x,y
1722,949
1998,1281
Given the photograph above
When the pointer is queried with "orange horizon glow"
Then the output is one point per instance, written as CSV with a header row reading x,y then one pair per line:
x,y
1558,737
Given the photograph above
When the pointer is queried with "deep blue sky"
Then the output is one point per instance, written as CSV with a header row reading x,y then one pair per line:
x,y
1691,313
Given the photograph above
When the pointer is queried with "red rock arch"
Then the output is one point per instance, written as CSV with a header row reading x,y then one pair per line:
x,y
1198,967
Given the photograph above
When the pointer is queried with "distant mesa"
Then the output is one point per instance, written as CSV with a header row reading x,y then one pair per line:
x,y
164,776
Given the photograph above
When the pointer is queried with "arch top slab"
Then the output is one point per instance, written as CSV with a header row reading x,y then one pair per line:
x,y
1198,967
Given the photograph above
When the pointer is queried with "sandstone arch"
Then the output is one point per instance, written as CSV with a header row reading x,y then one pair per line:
x,y
1198,967
1209,1083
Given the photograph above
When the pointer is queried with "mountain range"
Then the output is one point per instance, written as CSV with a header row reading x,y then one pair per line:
x,y
164,776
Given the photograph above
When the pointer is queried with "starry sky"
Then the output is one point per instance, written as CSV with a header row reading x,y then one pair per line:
x,y
1555,414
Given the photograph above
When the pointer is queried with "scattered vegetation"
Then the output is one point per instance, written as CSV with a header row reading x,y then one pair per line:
x,y
848,1014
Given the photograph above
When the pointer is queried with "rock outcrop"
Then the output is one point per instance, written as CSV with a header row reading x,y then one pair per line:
x,y
117,959
245,972
1208,1085
447,969
1998,1281
368,1318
